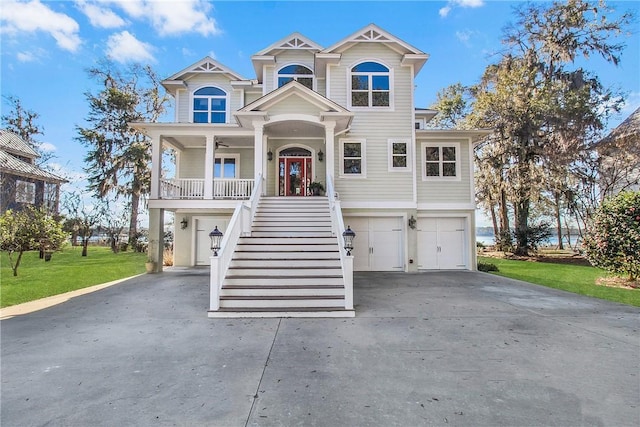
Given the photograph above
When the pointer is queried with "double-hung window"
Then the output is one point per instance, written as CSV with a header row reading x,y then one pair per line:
x,y
300,73
441,161
210,105
399,152
226,166
370,85
352,153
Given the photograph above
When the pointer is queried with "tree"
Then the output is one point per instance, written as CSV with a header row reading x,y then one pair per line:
x,y
82,220
29,229
453,104
118,157
22,122
613,239
543,111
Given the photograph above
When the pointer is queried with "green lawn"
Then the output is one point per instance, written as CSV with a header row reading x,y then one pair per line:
x,y
67,271
572,278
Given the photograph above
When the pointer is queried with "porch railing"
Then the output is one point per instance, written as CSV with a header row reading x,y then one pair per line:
x,y
193,188
337,228
239,225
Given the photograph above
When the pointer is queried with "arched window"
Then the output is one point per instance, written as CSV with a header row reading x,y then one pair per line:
x,y
210,105
300,73
370,85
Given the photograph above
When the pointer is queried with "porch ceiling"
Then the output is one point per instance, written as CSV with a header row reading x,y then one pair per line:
x,y
293,129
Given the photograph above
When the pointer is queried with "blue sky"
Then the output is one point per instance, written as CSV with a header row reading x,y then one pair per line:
x,y
46,46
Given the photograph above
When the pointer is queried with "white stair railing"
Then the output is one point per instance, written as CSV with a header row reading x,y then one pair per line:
x,y
240,224
337,228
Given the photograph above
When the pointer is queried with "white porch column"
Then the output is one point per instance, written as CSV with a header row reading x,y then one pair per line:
x,y
329,136
155,250
156,164
259,148
209,161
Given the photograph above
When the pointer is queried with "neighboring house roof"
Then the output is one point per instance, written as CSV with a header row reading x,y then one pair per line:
x,y
12,165
629,128
205,65
12,143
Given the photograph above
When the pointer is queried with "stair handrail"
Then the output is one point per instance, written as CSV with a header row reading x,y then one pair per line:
x,y
240,224
337,228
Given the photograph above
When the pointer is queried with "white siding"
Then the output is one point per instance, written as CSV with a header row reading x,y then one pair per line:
x,y
192,163
445,191
199,81
294,105
249,97
376,127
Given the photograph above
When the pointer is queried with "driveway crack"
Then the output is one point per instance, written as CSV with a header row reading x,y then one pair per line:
x,y
264,369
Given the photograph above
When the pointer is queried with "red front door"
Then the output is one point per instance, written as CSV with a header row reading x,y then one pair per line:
x,y
294,173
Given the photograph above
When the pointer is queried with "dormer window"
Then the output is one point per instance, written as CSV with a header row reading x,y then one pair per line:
x,y
300,73
209,105
370,83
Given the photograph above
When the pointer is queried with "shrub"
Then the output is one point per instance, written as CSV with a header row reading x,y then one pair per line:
x,y
487,266
612,240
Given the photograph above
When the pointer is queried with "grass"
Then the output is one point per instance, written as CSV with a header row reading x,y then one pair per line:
x,y
67,271
572,278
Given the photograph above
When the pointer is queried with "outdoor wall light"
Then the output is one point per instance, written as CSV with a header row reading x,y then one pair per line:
x,y
412,223
216,240
269,155
348,237
320,155
184,223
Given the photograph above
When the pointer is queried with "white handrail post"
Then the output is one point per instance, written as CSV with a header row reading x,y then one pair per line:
x,y
214,277
348,282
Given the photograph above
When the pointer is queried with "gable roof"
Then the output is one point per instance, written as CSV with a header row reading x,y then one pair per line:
x,y
374,34
12,143
327,107
206,65
294,41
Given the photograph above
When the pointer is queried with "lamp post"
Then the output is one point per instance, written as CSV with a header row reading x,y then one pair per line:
x,y
348,237
216,239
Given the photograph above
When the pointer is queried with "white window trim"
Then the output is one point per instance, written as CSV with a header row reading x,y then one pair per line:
x,y
390,143
363,172
391,86
458,176
235,156
25,192
312,76
227,115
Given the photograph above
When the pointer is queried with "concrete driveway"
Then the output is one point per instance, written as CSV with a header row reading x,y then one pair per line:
x,y
450,348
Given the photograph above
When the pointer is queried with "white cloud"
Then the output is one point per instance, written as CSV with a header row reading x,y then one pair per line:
x,y
444,11
169,17
124,47
30,17
26,56
47,147
212,55
100,17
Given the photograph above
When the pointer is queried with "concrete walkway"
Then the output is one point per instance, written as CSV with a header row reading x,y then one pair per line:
x,y
451,348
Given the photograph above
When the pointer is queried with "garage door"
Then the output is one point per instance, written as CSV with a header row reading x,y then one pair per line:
x,y
203,242
442,244
378,245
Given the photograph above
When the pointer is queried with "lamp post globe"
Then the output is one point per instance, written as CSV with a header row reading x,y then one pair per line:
x,y
216,240
348,235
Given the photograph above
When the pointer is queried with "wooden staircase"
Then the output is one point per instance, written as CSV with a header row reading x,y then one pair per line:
x,y
289,266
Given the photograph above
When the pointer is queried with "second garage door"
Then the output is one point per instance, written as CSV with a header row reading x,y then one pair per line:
x,y
378,245
442,244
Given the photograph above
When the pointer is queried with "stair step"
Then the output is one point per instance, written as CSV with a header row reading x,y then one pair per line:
x,y
260,255
289,240
284,271
265,281
284,263
281,302
291,233
234,313
259,292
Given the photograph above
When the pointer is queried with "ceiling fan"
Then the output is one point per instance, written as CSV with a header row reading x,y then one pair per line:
x,y
219,143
